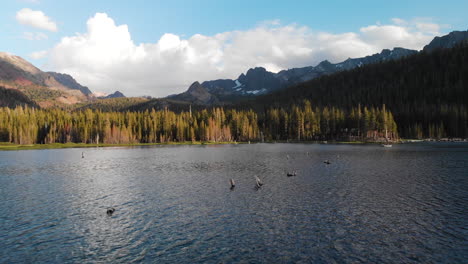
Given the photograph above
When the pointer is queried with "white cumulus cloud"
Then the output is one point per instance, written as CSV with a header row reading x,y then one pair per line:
x,y
37,19
105,58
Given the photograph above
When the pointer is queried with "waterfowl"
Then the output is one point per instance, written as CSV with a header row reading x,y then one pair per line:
x,y
327,162
290,174
110,211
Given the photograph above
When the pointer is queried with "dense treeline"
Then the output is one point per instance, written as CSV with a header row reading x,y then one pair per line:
x,y
304,122
110,104
29,125
25,125
427,92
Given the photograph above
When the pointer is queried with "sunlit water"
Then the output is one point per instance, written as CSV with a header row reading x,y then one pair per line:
x,y
173,204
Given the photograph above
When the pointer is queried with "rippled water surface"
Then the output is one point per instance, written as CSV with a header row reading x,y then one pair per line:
x,y
405,204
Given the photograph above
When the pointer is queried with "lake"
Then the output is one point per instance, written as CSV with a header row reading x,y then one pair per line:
x,y
173,204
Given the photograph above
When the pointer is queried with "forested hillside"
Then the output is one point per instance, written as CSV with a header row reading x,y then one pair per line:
x,y
111,104
426,92
13,98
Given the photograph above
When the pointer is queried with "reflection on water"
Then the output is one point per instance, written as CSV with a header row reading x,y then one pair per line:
x,y
173,204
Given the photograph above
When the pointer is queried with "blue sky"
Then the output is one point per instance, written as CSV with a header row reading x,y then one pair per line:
x,y
229,29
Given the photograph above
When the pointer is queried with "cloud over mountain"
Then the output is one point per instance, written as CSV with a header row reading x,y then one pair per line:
x,y
106,59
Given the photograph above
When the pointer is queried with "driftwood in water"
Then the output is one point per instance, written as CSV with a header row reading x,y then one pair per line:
x,y
233,183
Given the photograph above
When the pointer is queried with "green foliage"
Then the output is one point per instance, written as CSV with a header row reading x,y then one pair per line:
x,y
25,125
111,104
41,93
12,98
305,123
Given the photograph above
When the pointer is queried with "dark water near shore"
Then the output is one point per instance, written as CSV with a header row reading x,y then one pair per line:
x,y
403,204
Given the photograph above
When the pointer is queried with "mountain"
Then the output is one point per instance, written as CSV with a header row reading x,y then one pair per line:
x,y
47,89
427,92
196,94
258,81
298,75
447,41
70,82
116,94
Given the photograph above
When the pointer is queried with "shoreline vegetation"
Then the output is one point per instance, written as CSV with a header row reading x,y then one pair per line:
x,y
12,146
301,123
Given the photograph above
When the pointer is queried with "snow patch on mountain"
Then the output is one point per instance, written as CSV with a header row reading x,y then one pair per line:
x,y
257,91
238,84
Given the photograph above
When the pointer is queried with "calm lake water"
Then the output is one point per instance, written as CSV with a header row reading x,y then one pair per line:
x,y
173,204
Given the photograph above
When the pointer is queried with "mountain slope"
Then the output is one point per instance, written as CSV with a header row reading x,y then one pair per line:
x,y
196,94
42,87
12,98
258,81
70,82
116,94
426,92
447,41
111,104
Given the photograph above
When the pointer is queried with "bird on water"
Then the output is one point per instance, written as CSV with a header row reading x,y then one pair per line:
x,y
110,211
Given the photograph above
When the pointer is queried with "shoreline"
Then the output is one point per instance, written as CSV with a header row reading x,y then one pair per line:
x,y
4,146
11,146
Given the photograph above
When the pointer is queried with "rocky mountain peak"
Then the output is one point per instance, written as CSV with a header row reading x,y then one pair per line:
x,y
196,86
258,80
447,41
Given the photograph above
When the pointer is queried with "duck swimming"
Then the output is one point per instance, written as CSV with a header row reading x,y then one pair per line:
x,y
110,211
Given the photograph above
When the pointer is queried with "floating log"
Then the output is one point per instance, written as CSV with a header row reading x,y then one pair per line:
x,y
258,182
